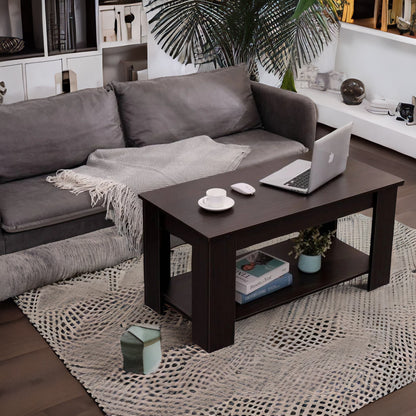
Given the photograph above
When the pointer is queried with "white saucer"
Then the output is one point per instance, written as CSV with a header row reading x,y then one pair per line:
x,y
229,202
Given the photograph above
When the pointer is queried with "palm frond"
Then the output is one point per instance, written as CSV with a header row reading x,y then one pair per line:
x,y
187,29
279,33
276,33
294,42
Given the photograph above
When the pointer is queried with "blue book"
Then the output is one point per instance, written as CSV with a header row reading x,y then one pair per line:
x,y
256,269
273,286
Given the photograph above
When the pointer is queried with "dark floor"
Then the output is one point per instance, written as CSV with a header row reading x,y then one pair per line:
x,y
34,382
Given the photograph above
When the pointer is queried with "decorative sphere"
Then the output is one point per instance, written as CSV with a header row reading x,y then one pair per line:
x,y
352,91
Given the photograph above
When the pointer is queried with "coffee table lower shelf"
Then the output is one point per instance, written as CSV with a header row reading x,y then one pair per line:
x,y
341,263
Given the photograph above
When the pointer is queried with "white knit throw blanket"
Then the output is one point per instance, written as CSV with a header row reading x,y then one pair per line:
x,y
115,177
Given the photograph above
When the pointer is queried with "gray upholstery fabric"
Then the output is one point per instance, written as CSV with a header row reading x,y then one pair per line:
x,y
49,263
2,243
32,203
31,238
39,136
286,113
265,146
163,110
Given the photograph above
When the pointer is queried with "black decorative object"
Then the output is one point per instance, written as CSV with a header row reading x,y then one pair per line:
x,y
405,111
128,18
413,121
3,91
352,91
11,45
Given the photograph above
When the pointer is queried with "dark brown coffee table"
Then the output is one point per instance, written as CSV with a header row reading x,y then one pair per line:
x,y
207,294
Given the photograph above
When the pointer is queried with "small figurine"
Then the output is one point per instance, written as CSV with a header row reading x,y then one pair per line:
x,y
405,112
413,121
3,91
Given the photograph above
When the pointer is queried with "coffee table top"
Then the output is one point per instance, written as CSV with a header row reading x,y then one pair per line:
x,y
269,203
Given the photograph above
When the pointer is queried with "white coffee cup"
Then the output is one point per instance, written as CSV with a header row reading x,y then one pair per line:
x,y
215,197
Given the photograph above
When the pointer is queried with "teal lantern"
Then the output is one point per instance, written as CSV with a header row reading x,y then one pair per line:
x,y
141,349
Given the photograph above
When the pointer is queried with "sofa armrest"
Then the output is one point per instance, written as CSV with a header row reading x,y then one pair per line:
x,y
286,113
2,243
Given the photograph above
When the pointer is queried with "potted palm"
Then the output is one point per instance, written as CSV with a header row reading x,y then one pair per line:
x,y
310,246
282,35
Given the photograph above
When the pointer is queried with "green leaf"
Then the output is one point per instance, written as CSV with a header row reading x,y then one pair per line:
x,y
288,82
302,6
229,32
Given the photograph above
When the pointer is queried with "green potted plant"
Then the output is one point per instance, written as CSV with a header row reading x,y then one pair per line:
x,y
280,35
310,246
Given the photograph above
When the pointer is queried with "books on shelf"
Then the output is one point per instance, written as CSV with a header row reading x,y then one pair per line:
x,y
256,269
273,286
61,28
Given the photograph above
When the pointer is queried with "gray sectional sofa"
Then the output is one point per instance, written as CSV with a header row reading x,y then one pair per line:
x,y
39,137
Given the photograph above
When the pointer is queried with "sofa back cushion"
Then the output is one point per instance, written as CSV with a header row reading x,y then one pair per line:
x,y
44,135
163,110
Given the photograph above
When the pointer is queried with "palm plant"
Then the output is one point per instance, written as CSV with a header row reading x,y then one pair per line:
x,y
282,35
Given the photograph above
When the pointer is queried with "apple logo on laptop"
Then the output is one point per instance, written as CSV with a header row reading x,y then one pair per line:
x,y
331,157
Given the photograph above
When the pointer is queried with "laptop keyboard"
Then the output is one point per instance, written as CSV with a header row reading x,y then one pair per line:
x,y
300,181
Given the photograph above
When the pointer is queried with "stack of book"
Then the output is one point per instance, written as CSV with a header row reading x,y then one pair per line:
x,y
61,25
382,106
258,274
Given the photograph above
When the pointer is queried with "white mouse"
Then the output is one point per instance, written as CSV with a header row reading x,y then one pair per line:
x,y
243,188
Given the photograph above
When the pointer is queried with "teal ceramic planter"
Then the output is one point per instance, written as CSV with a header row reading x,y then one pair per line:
x,y
309,264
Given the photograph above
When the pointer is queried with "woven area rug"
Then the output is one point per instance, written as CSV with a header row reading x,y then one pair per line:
x,y
327,354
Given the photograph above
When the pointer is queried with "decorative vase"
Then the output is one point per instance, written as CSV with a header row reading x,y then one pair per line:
x,y
309,264
352,91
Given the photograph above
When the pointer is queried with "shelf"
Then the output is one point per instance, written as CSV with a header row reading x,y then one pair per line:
x,y
25,54
118,44
79,50
70,29
378,33
381,129
112,17
118,2
341,263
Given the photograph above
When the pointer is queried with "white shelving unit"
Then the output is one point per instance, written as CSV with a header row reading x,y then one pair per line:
x,y
32,75
381,129
124,53
378,33
114,15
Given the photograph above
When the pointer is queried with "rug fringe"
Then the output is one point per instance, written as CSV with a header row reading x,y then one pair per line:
x,y
123,206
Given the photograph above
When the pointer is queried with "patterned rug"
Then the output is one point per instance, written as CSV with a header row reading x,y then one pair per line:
x,y
329,353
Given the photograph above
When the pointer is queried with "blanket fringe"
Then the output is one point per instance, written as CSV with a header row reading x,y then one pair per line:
x,y
123,206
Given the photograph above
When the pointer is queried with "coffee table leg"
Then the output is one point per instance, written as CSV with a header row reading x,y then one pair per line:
x,y
382,238
156,257
213,293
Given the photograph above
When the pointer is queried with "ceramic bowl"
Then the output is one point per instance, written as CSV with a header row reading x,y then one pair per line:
x,y
11,45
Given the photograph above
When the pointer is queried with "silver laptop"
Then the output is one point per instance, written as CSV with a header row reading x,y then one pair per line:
x,y
329,159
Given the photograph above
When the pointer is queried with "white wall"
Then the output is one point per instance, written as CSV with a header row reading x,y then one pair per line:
x,y
159,63
387,67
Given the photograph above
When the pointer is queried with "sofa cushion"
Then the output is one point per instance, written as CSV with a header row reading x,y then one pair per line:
x,y
33,203
163,110
31,238
265,146
39,136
